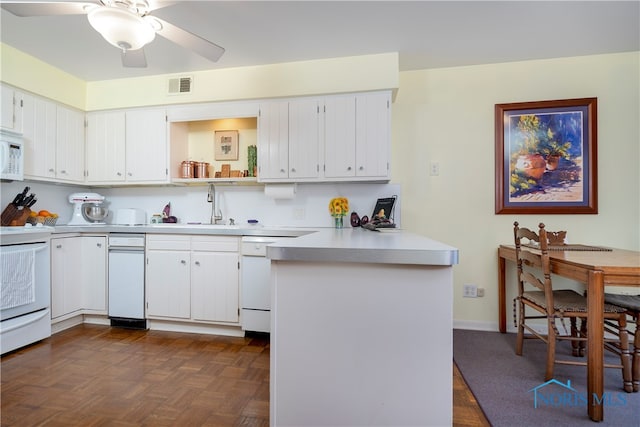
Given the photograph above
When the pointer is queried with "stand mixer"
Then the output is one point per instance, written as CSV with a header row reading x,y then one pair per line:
x,y
87,209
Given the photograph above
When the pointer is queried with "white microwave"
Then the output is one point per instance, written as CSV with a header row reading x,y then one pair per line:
x,y
11,156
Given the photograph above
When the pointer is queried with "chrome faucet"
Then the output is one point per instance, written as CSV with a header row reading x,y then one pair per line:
x,y
216,214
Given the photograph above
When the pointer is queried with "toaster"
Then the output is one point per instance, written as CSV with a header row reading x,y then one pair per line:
x,y
130,216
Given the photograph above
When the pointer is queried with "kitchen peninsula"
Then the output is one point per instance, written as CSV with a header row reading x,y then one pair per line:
x,y
361,329
361,325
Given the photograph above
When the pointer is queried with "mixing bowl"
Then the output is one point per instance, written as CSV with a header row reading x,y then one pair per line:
x,y
94,213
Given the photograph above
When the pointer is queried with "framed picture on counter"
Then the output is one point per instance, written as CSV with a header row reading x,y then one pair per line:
x,y
546,157
226,145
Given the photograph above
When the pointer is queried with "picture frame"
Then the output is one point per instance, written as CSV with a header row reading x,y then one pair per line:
x,y
546,157
226,145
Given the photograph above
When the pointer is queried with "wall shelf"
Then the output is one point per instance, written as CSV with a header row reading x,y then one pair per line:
x,y
205,181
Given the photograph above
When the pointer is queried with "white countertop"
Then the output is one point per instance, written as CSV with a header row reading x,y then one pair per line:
x,y
391,246
364,246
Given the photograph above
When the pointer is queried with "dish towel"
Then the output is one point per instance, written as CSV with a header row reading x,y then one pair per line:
x,y
18,272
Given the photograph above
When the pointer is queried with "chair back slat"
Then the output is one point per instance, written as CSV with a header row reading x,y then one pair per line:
x,y
534,267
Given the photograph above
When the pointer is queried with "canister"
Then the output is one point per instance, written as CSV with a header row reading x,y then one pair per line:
x,y
186,169
201,170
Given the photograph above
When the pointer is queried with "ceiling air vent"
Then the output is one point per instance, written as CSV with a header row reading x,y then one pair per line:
x,y
180,85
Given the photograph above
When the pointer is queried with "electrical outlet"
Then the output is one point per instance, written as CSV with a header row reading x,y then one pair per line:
x,y
480,292
470,291
434,168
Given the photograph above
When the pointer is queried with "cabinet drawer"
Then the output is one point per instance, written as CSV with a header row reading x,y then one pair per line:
x,y
215,243
168,242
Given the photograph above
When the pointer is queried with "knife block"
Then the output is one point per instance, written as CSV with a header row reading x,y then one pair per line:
x,y
12,216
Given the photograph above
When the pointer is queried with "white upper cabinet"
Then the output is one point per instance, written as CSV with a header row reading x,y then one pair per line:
x,y
69,145
304,138
39,137
54,140
289,140
340,136
335,138
373,135
146,149
11,112
357,136
273,141
106,146
127,146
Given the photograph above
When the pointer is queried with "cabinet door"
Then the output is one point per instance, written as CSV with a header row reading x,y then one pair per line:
x,y
273,140
11,113
373,134
304,138
215,286
66,282
69,145
146,145
106,146
94,273
167,284
39,137
340,136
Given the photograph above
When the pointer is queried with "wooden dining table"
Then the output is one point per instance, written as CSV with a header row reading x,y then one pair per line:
x,y
597,269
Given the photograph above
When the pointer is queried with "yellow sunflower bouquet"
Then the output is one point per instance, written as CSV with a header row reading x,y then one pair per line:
x,y
338,208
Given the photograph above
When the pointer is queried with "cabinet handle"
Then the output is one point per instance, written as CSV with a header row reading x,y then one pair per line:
x,y
361,168
293,170
51,170
183,261
197,262
63,171
349,168
99,245
130,174
58,246
281,170
119,173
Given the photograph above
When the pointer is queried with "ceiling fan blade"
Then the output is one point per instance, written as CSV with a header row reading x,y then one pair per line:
x,y
42,8
190,41
159,4
134,58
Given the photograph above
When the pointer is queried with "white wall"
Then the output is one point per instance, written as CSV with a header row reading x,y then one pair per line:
x,y
308,208
447,116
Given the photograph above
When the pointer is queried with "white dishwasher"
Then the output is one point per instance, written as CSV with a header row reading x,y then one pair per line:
x,y
126,280
256,283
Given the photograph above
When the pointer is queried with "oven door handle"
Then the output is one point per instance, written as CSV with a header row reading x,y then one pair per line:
x,y
33,319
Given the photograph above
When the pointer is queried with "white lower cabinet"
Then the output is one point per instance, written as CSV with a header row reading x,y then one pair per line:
x,y
78,276
193,277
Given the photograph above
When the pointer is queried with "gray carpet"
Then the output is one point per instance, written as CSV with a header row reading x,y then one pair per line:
x,y
502,384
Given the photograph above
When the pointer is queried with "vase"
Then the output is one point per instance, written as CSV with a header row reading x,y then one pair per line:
x,y
531,165
338,221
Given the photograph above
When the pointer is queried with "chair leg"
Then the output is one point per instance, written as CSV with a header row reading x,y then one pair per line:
x,y
520,336
583,334
636,354
551,349
575,350
625,355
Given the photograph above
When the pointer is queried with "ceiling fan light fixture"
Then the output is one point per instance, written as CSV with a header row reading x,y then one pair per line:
x,y
121,28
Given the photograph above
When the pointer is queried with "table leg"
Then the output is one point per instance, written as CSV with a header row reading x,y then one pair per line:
x,y
595,344
502,297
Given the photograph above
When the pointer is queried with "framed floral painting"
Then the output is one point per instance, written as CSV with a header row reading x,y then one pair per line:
x,y
546,157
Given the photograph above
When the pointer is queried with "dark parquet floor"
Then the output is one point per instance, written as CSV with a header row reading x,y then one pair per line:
x,y
93,375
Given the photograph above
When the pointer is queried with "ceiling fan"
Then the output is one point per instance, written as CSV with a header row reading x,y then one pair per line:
x,y
126,24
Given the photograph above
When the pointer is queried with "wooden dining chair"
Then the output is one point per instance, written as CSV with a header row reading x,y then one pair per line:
x,y
632,305
535,291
